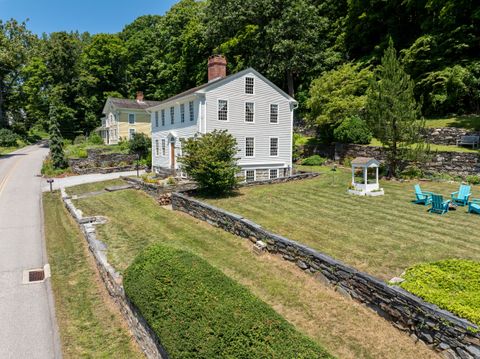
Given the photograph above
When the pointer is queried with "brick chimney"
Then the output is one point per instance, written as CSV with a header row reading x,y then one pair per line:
x,y
140,96
217,67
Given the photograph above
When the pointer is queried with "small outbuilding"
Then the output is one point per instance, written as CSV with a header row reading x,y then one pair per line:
x,y
367,184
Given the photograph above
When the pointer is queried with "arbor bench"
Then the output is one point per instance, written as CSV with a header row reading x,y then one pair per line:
x,y
469,140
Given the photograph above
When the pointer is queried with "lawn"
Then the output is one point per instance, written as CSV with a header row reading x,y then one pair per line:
x,y
470,122
434,147
90,325
382,236
95,186
343,327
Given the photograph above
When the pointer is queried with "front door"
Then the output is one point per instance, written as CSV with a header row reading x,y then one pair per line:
x,y
172,156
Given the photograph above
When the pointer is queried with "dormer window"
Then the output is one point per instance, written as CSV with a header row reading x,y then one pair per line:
x,y
249,85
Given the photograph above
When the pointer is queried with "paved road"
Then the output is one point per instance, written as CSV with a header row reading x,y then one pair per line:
x,y
90,178
27,318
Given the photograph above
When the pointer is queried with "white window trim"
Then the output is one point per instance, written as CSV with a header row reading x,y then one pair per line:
x,y
270,114
157,119
157,147
134,118
245,147
172,116
164,147
270,146
245,85
182,113
254,174
130,134
191,111
270,173
228,110
163,117
245,111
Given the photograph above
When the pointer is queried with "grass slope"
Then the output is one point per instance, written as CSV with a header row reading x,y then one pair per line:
x,y
470,122
345,328
451,284
89,326
199,312
434,147
380,235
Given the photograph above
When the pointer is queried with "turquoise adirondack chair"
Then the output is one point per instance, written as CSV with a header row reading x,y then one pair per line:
x,y
422,197
439,205
461,196
474,206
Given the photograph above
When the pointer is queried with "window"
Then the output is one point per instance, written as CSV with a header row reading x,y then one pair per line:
x,y
273,113
182,112
131,118
131,132
222,110
249,147
156,118
273,146
273,174
249,83
191,110
250,175
172,115
164,149
163,117
157,150
249,112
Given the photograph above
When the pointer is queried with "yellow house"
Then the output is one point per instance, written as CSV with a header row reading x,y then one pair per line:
x,y
124,117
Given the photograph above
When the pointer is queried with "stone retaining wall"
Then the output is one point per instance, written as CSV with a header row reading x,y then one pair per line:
x,y
296,177
455,163
447,135
156,190
452,336
144,335
99,162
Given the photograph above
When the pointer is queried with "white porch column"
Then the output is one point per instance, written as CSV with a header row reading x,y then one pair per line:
x,y
365,176
353,175
376,173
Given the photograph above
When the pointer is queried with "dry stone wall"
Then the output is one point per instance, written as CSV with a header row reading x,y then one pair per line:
x,y
144,335
447,135
453,337
99,162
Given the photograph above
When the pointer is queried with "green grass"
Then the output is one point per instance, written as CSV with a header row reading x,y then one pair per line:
x,y
80,150
451,284
382,235
345,328
199,312
470,122
434,147
89,326
94,187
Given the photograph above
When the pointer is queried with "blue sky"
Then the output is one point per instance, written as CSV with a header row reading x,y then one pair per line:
x,y
93,16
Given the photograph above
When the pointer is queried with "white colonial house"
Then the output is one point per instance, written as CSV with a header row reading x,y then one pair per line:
x,y
254,110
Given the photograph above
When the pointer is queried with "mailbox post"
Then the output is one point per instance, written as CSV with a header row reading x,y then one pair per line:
x,y
50,182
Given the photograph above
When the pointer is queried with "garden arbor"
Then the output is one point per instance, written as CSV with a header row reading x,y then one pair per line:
x,y
366,186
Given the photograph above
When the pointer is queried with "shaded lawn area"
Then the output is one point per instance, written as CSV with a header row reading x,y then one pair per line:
x,y
380,235
90,326
470,122
343,327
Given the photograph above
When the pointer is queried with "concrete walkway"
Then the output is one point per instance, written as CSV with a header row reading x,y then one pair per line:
x,y
90,178
27,317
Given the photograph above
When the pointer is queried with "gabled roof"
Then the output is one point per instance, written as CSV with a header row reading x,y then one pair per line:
x,y
365,162
131,104
220,81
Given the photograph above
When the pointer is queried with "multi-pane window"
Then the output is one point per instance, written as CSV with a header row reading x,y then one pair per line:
x,y
249,111
172,115
249,84
156,118
182,112
163,117
250,175
157,150
131,133
273,173
273,113
164,149
191,110
249,147
131,118
223,110
273,146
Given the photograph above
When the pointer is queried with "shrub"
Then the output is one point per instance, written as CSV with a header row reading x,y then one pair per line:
x,y
411,172
314,160
56,141
347,161
95,139
79,140
8,138
353,130
473,179
451,284
210,160
178,292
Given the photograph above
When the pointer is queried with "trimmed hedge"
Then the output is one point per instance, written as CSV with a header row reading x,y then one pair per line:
x,y
452,284
199,312
314,160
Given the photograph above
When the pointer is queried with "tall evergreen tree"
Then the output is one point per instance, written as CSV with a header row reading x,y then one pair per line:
x,y
392,112
56,140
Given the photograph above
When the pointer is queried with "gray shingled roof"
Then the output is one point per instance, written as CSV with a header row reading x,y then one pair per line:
x,y
133,104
